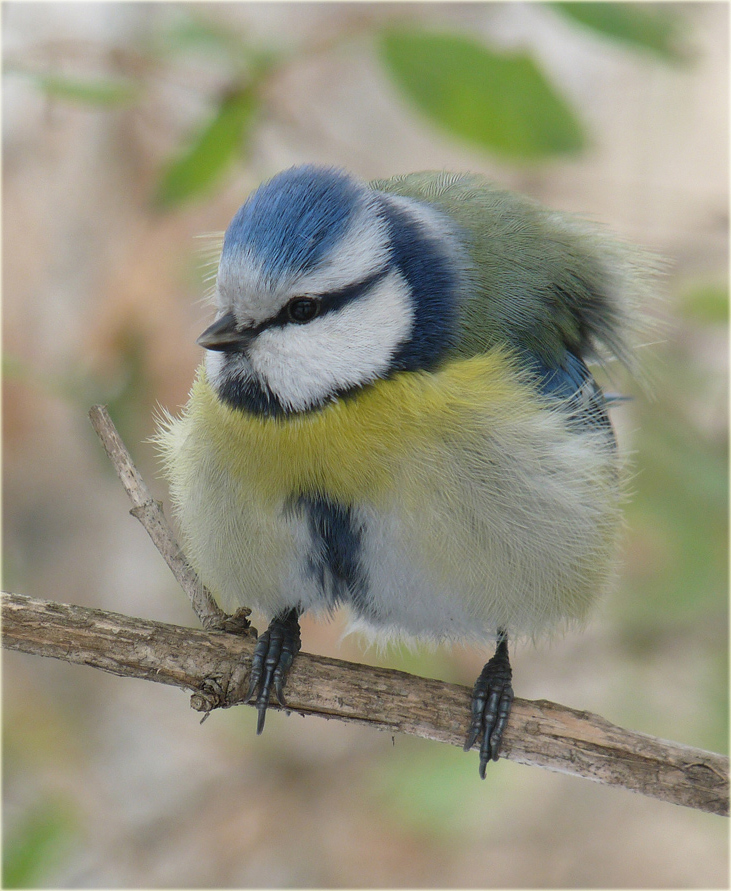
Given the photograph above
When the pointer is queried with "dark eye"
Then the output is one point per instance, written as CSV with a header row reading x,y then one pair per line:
x,y
303,309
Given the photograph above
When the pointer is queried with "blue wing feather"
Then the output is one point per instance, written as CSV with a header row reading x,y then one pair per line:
x,y
572,383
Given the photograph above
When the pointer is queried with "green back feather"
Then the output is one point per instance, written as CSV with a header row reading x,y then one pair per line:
x,y
537,278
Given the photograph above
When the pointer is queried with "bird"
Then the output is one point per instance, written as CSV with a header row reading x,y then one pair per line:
x,y
396,416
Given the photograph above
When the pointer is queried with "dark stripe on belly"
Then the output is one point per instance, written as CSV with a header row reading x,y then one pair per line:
x,y
334,560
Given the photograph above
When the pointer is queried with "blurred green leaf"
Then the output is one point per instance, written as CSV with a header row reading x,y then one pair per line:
x,y
500,101
33,848
707,303
99,91
213,148
644,25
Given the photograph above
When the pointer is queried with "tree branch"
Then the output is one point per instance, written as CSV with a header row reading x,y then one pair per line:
x,y
149,513
215,665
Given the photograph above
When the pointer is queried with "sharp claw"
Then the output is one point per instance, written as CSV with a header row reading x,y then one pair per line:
x,y
492,698
257,663
262,702
485,752
478,708
503,711
273,657
472,735
281,672
261,717
253,683
278,684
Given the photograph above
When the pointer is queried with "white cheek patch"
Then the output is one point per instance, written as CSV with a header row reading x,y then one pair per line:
x,y
304,365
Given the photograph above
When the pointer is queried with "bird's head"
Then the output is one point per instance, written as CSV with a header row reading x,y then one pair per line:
x,y
325,285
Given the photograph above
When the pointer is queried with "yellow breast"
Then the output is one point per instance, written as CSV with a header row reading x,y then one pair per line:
x,y
351,448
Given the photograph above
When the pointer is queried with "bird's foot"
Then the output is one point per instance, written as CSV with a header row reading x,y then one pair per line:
x,y
492,697
273,657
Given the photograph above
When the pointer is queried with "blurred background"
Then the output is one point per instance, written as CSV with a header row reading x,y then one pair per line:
x,y
130,129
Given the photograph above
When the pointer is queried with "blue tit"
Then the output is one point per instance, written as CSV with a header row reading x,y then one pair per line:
x,y
395,416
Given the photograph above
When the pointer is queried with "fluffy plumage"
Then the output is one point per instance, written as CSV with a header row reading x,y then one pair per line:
x,y
475,504
396,415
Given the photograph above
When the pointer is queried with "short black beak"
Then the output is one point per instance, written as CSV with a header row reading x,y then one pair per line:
x,y
224,335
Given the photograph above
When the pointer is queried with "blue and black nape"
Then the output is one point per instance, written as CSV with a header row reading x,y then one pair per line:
x,y
431,264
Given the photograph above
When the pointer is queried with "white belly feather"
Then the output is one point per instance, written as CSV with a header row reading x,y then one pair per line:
x,y
511,526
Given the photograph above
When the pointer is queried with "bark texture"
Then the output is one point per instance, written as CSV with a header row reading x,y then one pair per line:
x,y
214,665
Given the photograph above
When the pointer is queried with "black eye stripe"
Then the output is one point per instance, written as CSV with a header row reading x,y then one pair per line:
x,y
329,302
337,299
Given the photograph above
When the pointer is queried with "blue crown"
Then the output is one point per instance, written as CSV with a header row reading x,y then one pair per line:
x,y
293,221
